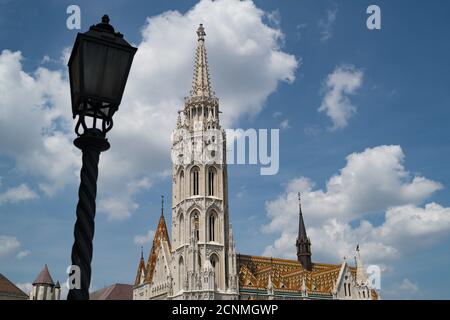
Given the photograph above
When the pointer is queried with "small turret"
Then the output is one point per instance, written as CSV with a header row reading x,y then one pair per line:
x,y
44,288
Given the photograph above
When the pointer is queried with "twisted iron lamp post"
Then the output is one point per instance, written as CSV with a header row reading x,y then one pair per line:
x,y
98,70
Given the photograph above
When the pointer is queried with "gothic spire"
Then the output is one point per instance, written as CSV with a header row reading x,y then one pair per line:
x,y
301,223
360,273
303,244
141,271
201,86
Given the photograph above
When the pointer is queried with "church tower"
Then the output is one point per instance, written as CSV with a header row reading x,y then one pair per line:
x,y
44,288
303,243
203,251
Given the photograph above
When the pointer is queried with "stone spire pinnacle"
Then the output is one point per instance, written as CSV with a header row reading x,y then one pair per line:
x,y
303,244
360,273
201,86
301,226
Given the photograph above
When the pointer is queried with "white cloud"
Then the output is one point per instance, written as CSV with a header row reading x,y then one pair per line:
x,y
408,286
372,182
22,254
246,61
35,121
17,194
277,114
8,244
285,124
343,82
122,205
326,24
25,287
405,289
145,238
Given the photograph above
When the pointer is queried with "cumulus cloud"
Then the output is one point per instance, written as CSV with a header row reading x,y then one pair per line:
x,y
142,239
374,181
22,254
247,62
343,82
17,194
8,244
34,122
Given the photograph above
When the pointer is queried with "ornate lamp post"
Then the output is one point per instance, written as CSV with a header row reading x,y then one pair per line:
x,y
98,70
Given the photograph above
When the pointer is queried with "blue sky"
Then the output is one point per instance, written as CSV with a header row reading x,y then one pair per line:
x,y
396,80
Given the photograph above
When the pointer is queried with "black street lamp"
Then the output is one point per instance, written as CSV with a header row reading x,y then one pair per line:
x,y
98,70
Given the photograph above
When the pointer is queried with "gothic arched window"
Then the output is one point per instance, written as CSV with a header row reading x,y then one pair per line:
x,y
181,229
195,173
211,181
212,227
181,186
181,273
214,259
195,224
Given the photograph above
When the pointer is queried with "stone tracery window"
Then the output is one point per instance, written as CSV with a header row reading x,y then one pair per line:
x,y
195,185
212,181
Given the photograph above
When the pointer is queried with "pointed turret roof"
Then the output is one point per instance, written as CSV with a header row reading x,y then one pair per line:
x,y
44,277
303,244
141,269
161,234
201,86
301,223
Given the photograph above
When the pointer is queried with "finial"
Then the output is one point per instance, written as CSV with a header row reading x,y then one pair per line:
x,y
357,247
142,252
299,202
105,19
162,205
201,32
104,26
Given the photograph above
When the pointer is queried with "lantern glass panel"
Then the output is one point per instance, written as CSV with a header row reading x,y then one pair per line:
x,y
74,71
105,71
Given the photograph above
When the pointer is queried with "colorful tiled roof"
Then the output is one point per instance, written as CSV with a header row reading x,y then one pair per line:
x,y
287,275
161,234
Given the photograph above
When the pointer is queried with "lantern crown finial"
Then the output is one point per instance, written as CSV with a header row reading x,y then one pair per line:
x,y
105,19
104,25
201,32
